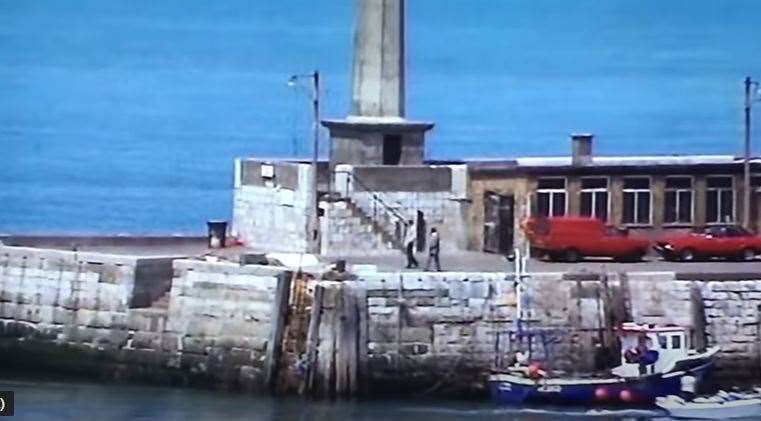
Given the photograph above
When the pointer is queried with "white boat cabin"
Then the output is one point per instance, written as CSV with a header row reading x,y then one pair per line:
x,y
670,342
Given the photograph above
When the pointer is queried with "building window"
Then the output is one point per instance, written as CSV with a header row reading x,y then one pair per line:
x,y
594,197
720,200
678,200
676,342
551,194
637,200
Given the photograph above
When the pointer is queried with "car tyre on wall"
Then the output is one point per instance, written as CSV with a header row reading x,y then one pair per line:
x,y
748,254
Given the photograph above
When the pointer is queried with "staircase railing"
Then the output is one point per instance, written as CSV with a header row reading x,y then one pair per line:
x,y
379,204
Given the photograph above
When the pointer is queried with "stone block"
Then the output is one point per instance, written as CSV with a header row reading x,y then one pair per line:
x,y
376,302
8,310
146,340
62,316
417,334
479,288
381,311
458,290
196,345
477,304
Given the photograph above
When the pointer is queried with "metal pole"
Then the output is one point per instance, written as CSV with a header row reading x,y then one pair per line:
x,y
315,156
746,161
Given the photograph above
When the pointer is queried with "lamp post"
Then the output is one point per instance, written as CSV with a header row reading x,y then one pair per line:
x,y
751,94
314,229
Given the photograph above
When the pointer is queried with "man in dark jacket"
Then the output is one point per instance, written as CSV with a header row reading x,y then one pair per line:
x,y
409,244
433,251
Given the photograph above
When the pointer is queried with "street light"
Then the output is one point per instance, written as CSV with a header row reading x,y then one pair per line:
x,y
751,94
314,221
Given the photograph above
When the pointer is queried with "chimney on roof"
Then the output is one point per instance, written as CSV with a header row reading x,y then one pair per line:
x,y
581,148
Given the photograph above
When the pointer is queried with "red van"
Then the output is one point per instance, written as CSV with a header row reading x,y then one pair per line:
x,y
572,238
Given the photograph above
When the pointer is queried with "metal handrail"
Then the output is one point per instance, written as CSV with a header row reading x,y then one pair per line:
x,y
375,196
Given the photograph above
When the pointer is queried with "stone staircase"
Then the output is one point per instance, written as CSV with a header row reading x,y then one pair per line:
x,y
351,231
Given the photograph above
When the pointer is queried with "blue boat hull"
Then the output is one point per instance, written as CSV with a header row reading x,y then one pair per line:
x,y
643,390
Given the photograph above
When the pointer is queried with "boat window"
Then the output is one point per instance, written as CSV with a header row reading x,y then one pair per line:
x,y
662,341
676,342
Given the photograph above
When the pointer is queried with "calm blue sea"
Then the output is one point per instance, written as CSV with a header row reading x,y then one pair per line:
x,y
125,116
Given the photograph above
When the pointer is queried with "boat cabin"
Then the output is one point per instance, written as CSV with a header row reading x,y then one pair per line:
x,y
666,345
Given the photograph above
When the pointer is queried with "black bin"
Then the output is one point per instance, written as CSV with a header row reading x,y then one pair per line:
x,y
217,234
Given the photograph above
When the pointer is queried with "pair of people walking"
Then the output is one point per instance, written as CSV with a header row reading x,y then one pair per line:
x,y
410,238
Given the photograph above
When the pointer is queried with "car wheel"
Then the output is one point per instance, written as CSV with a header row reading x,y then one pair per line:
x,y
572,256
638,256
748,255
687,255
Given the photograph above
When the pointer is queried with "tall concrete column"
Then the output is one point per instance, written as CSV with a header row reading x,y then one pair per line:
x,y
378,72
376,131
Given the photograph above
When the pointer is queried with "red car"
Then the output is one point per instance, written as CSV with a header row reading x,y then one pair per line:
x,y
726,241
572,238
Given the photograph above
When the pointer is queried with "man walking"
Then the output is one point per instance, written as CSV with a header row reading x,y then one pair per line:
x,y
409,243
433,251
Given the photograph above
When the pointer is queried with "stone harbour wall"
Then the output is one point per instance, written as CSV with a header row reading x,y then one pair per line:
x,y
251,327
68,295
70,312
223,319
444,331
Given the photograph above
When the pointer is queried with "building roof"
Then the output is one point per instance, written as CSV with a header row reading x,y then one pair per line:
x,y
607,161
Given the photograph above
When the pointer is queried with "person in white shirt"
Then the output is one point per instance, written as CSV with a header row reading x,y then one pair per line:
x,y
433,251
409,243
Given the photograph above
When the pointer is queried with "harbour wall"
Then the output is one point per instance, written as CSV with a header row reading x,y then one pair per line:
x,y
258,328
443,331
163,320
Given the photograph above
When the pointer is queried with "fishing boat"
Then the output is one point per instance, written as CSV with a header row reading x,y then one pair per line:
x,y
720,406
655,361
632,382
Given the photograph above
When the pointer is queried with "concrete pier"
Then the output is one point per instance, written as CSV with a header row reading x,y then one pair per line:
x,y
257,328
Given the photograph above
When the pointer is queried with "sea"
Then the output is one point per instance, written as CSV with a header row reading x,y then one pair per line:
x,y
124,117
47,398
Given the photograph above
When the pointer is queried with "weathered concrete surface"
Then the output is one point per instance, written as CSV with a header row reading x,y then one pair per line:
x,y
384,196
72,312
442,332
237,327
378,75
274,202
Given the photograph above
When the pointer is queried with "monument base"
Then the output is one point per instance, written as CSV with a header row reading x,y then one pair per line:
x,y
377,140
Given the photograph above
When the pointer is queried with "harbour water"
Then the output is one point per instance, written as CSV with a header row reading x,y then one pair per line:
x,y
125,116
66,399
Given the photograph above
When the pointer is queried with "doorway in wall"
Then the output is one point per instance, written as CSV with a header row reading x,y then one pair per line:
x,y
498,223
392,149
421,231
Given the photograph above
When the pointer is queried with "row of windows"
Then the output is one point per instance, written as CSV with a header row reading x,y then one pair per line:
x,y
637,206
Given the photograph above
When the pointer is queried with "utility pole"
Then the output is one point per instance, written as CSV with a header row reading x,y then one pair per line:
x,y
315,232
746,160
314,220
